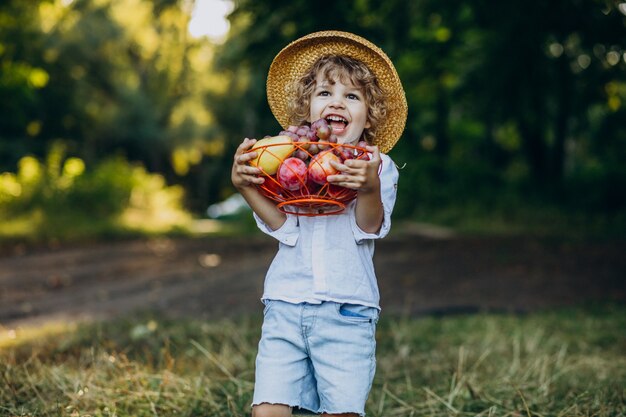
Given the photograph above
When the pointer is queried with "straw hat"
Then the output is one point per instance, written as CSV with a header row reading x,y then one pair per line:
x,y
296,58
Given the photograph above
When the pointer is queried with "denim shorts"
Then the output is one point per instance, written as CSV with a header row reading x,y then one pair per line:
x,y
318,357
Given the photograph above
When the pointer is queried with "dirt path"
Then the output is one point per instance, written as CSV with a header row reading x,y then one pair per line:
x,y
224,276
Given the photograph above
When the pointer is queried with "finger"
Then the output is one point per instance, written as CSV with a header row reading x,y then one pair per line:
x,y
254,179
250,171
246,157
251,174
245,145
374,151
356,163
339,166
348,184
341,179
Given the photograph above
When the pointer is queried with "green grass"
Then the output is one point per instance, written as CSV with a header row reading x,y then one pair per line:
x,y
526,219
555,363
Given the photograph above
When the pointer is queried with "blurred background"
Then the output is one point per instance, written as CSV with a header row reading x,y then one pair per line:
x,y
121,116
131,272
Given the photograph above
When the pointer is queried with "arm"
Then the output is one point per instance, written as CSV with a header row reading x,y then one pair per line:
x,y
362,175
245,178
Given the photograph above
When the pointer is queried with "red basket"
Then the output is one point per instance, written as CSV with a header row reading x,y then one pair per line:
x,y
316,198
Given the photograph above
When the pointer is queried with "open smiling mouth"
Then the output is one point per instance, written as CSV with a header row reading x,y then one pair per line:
x,y
337,123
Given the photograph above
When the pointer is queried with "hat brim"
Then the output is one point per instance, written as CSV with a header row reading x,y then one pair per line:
x,y
293,61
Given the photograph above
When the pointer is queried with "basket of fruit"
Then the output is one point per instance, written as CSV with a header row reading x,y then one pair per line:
x,y
295,165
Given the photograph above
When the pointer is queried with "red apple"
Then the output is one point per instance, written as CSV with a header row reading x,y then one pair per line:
x,y
292,173
320,167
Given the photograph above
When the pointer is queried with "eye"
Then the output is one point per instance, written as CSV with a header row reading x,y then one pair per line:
x,y
352,96
323,93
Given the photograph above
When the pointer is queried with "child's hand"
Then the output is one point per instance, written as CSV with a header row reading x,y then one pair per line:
x,y
358,174
244,175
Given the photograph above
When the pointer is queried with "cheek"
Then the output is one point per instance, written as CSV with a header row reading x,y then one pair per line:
x,y
367,119
314,111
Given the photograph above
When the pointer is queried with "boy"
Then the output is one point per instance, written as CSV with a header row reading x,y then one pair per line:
x,y
317,349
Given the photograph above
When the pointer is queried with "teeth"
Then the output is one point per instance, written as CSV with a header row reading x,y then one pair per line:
x,y
336,119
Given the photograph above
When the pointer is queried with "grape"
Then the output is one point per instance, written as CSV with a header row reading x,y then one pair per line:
x,y
311,136
313,149
323,131
332,138
303,144
302,130
292,135
293,129
321,128
322,146
319,122
361,153
345,152
301,154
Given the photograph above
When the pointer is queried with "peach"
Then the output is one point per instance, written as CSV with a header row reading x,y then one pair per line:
x,y
292,173
271,186
320,167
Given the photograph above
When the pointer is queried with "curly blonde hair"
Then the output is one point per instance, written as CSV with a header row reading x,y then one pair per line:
x,y
344,68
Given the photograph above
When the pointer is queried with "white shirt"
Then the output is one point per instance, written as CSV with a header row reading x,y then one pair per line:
x,y
329,258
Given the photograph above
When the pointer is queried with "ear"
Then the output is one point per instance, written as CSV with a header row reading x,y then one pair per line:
x,y
368,124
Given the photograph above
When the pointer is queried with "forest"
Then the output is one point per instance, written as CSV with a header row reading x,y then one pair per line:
x,y
111,110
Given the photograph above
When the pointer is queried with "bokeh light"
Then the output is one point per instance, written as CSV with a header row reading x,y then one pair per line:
x,y
209,19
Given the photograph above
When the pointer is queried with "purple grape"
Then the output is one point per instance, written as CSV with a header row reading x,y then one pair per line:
x,y
323,130
303,144
292,135
301,154
319,122
345,152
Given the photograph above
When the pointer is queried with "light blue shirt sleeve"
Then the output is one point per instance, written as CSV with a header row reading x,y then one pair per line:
x,y
287,233
388,191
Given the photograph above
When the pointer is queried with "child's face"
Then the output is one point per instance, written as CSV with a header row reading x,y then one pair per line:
x,y
342,105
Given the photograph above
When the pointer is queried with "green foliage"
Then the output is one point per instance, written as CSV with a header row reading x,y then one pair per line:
x,y
62,198
108,78
496,111
565,362
509,103
60,183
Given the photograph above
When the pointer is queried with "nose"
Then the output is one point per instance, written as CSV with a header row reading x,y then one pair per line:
x,y
337,102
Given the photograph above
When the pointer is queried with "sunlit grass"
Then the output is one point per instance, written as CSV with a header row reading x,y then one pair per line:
x,y
76,226
562,363
15,337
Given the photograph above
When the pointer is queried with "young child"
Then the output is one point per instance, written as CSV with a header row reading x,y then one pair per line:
x,y
317,349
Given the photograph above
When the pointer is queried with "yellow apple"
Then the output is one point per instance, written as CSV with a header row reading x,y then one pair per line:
x,y
271,152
